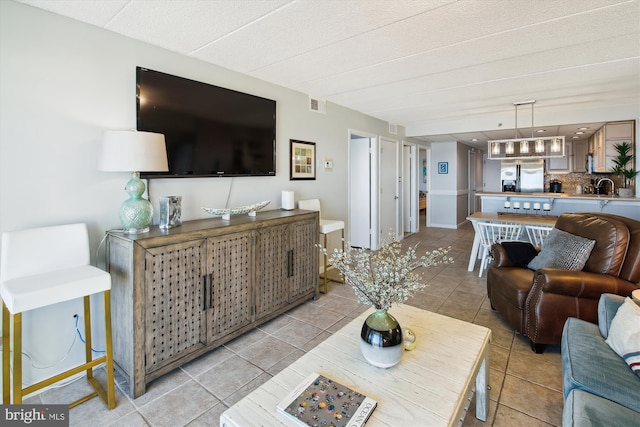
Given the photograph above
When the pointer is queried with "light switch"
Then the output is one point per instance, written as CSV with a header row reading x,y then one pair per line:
x,y
328,163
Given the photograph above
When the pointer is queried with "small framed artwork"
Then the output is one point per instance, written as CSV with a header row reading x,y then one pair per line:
x,y
303,159
443,167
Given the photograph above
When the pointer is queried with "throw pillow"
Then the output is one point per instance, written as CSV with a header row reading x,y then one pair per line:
x,y
519,253
624,334
563,250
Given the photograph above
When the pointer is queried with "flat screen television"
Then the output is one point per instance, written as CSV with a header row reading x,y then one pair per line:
x,y
210,131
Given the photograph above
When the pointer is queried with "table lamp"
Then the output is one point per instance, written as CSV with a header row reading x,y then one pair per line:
x,y
134,151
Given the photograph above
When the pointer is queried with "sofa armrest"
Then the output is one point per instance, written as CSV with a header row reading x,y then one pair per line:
x,y
607,309
580,284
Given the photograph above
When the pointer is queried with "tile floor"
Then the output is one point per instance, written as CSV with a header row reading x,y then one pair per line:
x,y
526,388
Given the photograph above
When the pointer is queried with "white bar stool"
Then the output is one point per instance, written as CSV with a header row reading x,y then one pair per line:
x,y
41,267
326,226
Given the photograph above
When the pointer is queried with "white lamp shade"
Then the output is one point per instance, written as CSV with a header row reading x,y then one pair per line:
x,y
133,151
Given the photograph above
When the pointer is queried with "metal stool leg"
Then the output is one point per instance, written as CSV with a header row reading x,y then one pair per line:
x,y
111,395
6,357
324,275
17,358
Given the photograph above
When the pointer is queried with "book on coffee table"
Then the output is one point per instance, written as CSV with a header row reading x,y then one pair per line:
x,y
321,401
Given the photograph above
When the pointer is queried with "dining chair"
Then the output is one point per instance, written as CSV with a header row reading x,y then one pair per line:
x,y
326,226
40,267
495,232
537,234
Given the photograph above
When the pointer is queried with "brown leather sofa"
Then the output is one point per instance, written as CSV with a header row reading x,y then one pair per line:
x,y
537,303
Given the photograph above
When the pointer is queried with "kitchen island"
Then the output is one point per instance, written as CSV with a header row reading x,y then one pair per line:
x,y
558,203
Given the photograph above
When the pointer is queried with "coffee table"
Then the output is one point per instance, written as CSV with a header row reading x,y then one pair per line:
x,y
431,386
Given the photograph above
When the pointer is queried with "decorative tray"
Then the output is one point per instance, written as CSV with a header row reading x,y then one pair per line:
x,y
227,212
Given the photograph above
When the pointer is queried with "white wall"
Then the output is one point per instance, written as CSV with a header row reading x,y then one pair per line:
x,y
62,83
443,193
462,182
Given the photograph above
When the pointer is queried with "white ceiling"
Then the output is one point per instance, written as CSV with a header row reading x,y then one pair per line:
x,y
441,68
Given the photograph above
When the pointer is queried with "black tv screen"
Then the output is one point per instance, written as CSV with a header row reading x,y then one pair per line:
x,y
209,130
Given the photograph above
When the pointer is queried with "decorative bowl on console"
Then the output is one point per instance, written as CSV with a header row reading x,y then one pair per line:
x,y
227,212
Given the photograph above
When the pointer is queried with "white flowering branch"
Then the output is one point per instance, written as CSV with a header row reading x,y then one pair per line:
x,y
386,276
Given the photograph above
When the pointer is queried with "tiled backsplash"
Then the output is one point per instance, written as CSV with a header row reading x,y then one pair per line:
x,y
570,181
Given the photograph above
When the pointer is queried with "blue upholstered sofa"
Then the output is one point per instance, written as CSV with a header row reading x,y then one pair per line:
x,y
599,387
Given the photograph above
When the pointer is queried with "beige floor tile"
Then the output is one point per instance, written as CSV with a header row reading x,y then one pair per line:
x,y
542,369
496,381
426,301
317,340
266,352
274,325
508,417
229,376
532,399
207,361
161,386
134,419
246,339
298,333
210,418
453,309
179,406
498,358
246,389
292,357
315,315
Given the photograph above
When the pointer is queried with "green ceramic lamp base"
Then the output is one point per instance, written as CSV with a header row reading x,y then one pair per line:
x,y
136,212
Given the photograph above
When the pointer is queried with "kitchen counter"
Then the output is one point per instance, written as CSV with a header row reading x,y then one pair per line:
x,y
561,203
511,194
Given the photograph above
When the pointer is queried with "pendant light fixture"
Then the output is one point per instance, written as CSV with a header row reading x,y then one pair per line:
x,y
520,148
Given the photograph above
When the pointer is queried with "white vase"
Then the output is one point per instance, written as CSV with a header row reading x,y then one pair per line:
x,y
625,192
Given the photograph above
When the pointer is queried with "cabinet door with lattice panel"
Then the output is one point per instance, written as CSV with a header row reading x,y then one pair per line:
x,y
272,290
174,316
230,280
303,277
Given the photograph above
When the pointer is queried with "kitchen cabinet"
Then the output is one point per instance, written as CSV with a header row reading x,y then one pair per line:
x,y
561,164
580,150
602,144
179,293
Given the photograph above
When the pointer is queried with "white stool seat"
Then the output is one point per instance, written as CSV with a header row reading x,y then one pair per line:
x,y
44,266
27,293
326,226
330,225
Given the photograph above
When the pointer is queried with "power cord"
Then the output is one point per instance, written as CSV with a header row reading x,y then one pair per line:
x,y
80,335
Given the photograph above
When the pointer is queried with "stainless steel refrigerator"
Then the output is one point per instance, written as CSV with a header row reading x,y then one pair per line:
x,y
525,176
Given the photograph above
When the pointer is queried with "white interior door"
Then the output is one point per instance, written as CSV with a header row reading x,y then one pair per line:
x,y
410,188
360,200
388,189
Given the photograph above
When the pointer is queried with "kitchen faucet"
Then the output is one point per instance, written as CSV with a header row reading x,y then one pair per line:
x,y
613,185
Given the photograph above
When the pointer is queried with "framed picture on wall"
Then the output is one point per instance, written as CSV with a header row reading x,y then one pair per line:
x,y
303,159
443,167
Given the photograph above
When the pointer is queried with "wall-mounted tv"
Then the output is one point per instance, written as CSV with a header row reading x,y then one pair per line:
x,y
209,130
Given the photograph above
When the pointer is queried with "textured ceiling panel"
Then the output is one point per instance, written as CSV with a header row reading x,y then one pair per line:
x,y
413,63
185,26
304,27
605,23
94,12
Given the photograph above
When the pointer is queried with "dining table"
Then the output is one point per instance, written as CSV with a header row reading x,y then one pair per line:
x,y
503,217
